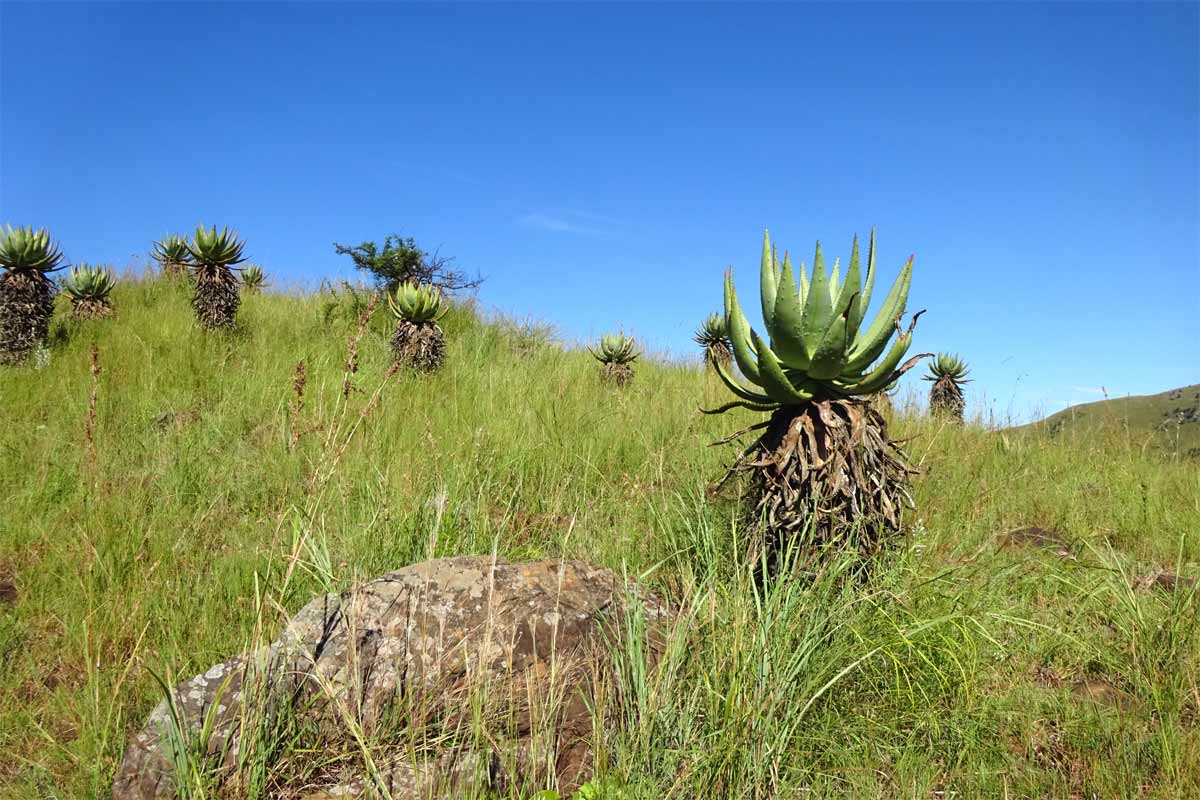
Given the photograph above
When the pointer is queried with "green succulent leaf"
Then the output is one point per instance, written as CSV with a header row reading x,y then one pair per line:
x,y
768,280
830,356
818,310
775,381
739,333
785,330
887,373
867,348
865,302
738,389
803,283
853,289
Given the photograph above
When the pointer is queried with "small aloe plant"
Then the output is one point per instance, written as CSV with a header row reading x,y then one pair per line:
x,y
616,355
713,336
171,253
253,278
418,341
948,373
90,290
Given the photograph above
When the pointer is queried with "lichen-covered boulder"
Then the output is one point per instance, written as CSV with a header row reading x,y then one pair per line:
x,y
460,674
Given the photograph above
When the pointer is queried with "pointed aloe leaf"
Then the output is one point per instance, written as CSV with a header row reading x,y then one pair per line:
x,y
869,345
774,381
835,281
739,333
886,382
803,383
785,330
737,388
830,356
768,280
870,284
854,285
885,373
803,282
818,311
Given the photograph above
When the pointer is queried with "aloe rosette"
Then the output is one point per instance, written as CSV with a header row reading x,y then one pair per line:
x,y
817,348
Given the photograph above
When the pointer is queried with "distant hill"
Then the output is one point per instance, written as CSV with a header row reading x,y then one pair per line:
x,y
1171,418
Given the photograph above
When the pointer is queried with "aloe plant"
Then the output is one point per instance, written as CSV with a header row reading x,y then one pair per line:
x,y
418,341
171,253
253,278
27,257
616,354
212,256
90,290
824,466
948,373
713,336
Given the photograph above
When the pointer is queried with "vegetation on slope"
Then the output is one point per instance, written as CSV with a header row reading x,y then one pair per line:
x,y
1169,420
218,485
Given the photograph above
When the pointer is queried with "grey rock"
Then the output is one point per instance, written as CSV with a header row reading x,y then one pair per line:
x,y
428,653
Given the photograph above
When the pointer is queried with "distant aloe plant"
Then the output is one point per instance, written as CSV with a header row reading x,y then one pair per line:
x,y
89,289
948,374
713,336
253,278
616,355
213,255
171,253
418,341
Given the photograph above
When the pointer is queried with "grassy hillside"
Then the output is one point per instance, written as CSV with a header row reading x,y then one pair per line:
x,y
206,496
1170,420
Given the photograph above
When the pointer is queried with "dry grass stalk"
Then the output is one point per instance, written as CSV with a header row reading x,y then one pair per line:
x,y
297,404
89,425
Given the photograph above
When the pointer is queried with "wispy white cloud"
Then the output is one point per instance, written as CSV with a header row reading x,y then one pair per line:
x,y
566,222
1097,391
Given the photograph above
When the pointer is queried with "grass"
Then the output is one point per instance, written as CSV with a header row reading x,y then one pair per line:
x,y
206,499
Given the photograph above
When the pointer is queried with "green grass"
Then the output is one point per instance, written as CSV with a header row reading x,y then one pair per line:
x,y
190,519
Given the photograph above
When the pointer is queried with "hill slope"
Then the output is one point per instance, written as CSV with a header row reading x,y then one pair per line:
x,y
1170,419
219,486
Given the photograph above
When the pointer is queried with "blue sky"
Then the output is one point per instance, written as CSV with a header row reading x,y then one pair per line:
x,y
602,164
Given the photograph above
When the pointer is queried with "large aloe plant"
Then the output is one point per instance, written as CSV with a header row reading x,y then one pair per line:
x,y
824,470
